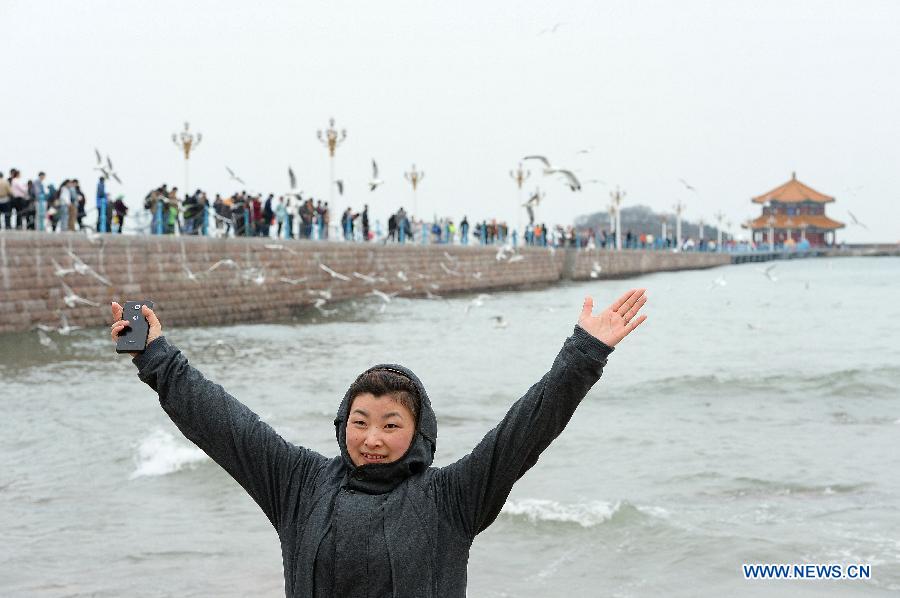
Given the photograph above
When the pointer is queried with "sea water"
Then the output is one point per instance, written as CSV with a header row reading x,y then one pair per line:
x,y
752,419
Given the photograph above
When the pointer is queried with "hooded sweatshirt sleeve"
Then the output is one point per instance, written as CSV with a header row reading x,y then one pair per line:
x,y
476,486
230,433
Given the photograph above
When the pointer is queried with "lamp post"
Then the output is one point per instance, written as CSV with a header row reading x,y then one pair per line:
x,y
679,208
664,232
186,141
617,197
331,138
415,177
519,176
719,218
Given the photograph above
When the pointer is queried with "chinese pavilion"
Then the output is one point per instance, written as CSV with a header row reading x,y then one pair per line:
x,y
794,212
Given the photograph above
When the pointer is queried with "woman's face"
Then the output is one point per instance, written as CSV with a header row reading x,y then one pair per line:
x,y
379,429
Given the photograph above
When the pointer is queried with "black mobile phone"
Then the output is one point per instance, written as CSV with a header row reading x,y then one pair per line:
x,y
133,339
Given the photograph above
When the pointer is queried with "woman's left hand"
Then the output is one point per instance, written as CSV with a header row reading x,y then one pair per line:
x,y
617,321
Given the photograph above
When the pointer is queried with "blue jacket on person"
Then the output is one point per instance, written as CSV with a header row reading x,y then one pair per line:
x,y
101,192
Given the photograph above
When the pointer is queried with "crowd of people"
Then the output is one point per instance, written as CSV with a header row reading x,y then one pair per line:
x,y
37,204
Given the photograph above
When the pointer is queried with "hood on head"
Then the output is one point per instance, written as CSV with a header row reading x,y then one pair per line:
x,y
377,478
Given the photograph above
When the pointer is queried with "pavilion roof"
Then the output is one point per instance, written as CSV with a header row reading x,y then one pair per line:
x,y
783,221
793,191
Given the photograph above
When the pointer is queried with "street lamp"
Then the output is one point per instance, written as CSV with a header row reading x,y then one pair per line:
x,y
679,208
519,176
719,218
617,197
414,177
186,141
331,138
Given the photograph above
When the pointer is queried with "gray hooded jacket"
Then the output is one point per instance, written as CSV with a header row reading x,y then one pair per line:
x,y
398,529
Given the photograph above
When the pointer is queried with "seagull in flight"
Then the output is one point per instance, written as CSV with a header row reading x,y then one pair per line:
x,y
477,302
383,296
365,277
234,176
571,179
374,181
855,221
768,272
334,274
340,186
499,322
687,185
292,178
449,271
106,170
551,29
71,299
65,329
225,262
533,202
292,280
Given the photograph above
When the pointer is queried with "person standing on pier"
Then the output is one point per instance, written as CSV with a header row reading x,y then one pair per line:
x,y
104,215
5,201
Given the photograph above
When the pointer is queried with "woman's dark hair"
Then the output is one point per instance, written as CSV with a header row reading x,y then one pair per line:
x,y
381,382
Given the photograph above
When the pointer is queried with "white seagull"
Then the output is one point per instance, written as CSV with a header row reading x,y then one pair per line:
x,y
234,176
334,274
383,296
499,322
71,299
225,262
571,179
855,221
292,280
687,186
374,181
449,271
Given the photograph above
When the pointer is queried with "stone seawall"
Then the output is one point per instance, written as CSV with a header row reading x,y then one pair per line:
x,y
199,280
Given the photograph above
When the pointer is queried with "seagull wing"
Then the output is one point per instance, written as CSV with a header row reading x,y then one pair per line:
x,y
115,176
374,169
99,158
231,173
856,220
292,178
541,158
573,180
109,163
685,183
340,186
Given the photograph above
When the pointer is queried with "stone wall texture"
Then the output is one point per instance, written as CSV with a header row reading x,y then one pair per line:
x,y
200,281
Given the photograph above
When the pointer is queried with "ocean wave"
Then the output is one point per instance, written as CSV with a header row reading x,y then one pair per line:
x,y
588,514
875,382
161,453
755,487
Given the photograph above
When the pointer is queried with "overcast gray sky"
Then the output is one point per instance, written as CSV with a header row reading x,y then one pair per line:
x,y
730,96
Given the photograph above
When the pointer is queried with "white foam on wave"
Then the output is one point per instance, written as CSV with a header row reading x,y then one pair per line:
x,y
584,514
161,453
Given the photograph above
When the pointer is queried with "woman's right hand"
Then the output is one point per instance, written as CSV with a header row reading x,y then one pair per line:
x,y
119,324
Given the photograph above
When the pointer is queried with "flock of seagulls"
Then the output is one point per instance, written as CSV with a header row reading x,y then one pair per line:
x,y
106,168
374,182
549,170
